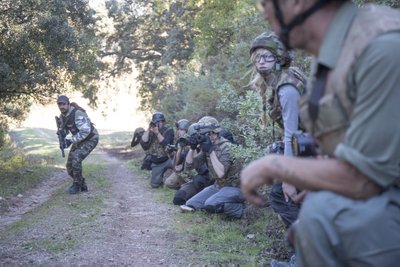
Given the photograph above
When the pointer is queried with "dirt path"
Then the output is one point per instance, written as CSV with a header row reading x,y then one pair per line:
x,y
133,227
137,225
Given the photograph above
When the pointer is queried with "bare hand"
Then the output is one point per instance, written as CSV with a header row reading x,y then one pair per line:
x,y
252,178
289,191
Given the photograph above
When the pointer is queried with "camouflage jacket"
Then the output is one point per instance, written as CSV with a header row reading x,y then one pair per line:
x,y
292,76
231,166
79,125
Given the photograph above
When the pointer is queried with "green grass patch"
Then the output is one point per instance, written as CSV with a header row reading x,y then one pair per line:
x,y
26,161
215,239
66,217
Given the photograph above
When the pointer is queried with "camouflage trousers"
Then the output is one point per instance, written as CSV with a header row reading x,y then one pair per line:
x,y
77,154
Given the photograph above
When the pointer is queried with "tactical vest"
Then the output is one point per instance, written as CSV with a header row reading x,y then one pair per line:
x,y
291,76
336,105
157,150
231,178
69,124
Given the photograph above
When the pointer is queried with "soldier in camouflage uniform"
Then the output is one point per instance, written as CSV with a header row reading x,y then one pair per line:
x,y
224,196
197,181
84,139
351,217
155,140
280,87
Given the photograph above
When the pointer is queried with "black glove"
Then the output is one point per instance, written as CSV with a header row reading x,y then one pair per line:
x,y
207,146
68,142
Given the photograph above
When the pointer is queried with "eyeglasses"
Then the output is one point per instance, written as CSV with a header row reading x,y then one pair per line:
x,y
265,57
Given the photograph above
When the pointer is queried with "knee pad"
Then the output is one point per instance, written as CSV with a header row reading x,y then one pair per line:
x,y
179,198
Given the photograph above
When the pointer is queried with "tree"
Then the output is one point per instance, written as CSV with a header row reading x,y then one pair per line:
x,y
157,37
46,48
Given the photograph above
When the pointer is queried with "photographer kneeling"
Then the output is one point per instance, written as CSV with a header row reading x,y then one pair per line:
x,y
155,140
202,178
224,196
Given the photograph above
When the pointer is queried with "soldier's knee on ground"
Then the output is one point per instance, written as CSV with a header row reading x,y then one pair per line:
x,y
219,208
180,198
172,181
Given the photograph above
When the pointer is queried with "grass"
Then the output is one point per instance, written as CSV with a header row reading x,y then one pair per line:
x,y
27,161
203,239
67,217
216,240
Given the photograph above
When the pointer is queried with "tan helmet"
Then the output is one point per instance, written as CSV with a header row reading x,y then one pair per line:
x,y
208,124
272,42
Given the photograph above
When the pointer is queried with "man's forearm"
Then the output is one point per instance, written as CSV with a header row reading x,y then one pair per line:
x,y
145,136
321,174
217,165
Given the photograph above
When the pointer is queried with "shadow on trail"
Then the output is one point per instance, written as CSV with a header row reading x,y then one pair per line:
x,y
124,153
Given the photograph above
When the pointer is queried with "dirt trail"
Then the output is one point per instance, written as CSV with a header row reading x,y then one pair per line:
x,y
17,206
134,228
137,225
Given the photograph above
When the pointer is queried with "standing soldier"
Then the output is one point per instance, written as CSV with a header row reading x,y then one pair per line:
x,y
280,87
155,140
352,215
84,139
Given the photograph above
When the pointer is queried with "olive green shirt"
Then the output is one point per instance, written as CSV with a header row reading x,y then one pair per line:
x,y
372,141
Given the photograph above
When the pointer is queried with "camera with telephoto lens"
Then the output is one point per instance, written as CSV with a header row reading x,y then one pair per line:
x,y
152,124
304,145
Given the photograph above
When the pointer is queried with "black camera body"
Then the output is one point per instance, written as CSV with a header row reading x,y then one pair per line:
x,y
153,124
194,139
304,145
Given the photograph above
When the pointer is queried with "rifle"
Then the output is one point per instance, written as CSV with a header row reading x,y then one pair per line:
x,y
61,136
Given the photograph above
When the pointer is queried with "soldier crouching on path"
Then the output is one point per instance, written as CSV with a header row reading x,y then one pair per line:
x,y
155,140
224,196
351,216
84,139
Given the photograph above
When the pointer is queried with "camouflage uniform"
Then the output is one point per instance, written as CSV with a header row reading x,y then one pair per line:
x,y
84,139
281,87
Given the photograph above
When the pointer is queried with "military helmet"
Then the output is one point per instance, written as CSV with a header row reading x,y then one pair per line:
x,y
273,44
157,117
208,124
182,124
192,129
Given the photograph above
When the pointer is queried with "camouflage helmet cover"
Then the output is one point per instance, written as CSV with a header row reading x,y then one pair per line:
x,y
273,44
182,124
208,124
157,117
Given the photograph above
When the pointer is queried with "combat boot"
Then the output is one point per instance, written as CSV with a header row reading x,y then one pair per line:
x,y
75,188
84,187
